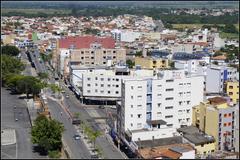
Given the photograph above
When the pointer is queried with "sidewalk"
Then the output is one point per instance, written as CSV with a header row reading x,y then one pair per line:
x,y
31,110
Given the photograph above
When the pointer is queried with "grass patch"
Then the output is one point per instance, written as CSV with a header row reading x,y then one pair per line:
x,y
229,35
191,26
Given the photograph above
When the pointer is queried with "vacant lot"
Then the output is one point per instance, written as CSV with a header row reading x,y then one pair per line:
x,y
229,35
179,26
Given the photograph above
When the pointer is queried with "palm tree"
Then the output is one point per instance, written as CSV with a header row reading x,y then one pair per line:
x,y
94,136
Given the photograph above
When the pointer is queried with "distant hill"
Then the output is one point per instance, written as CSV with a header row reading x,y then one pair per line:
x,y
89,4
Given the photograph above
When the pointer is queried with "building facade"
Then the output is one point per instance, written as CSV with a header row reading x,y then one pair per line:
x,y
152,108
232,90
217,76
217,120
151,62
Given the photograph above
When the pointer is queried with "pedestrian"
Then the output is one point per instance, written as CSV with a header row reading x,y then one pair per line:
x,y
61,113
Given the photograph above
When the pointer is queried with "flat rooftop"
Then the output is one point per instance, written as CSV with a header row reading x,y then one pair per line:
x,y
194,135
159,142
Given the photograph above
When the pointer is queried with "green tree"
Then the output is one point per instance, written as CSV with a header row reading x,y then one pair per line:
x,y
10,65
230,28
130,63
77,115
54,154
47,133
94,135
10,50
138,53
43,75
29,85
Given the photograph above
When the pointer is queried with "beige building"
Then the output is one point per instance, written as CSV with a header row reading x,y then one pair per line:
x,y
216,118
100,56
151,63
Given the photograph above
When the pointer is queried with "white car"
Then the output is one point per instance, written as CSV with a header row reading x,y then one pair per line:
x,y
76,137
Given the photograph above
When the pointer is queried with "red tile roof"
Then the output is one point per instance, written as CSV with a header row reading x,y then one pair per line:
x,y
84,42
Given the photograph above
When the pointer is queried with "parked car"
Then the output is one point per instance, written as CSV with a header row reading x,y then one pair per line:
x,y
101,107
76,137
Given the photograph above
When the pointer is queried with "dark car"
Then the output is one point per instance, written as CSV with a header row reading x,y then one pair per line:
x,y
94,156
101,107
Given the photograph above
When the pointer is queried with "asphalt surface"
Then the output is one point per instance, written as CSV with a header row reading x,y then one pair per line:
x,y
77,147
23,146
109,151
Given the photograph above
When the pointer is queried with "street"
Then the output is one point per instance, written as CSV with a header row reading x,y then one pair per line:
x,y
24,147
78,149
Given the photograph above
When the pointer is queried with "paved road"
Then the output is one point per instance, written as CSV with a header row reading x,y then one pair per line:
x,y
22,126
109,150
78,148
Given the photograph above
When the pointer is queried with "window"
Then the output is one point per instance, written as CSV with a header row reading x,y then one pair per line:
x,y
159,95
131,115
230,93
88,91
230,87
82,57
96,84
114,57
109,79
109,85
139,115
82,52
88,85
88,79
116,92
102,79
96,78
169,116
102,91
229,124
96,90
117,85
139,125
188,102
109,92
180,103
169,80
131,97
169,107
139,97
225,115
102,85
169,98
139,87
114,51
169,125
131,106
117,79
229,114
131,87
131,124
225,124
188,110
139,105
159,104
170,89
159,85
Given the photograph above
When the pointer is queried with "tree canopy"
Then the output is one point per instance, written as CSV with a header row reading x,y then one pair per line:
x,y
10,65
10,50
47,133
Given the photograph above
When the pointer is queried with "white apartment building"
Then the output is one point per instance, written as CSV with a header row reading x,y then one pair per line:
x,y
153,108
101,83
216,76
125,36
